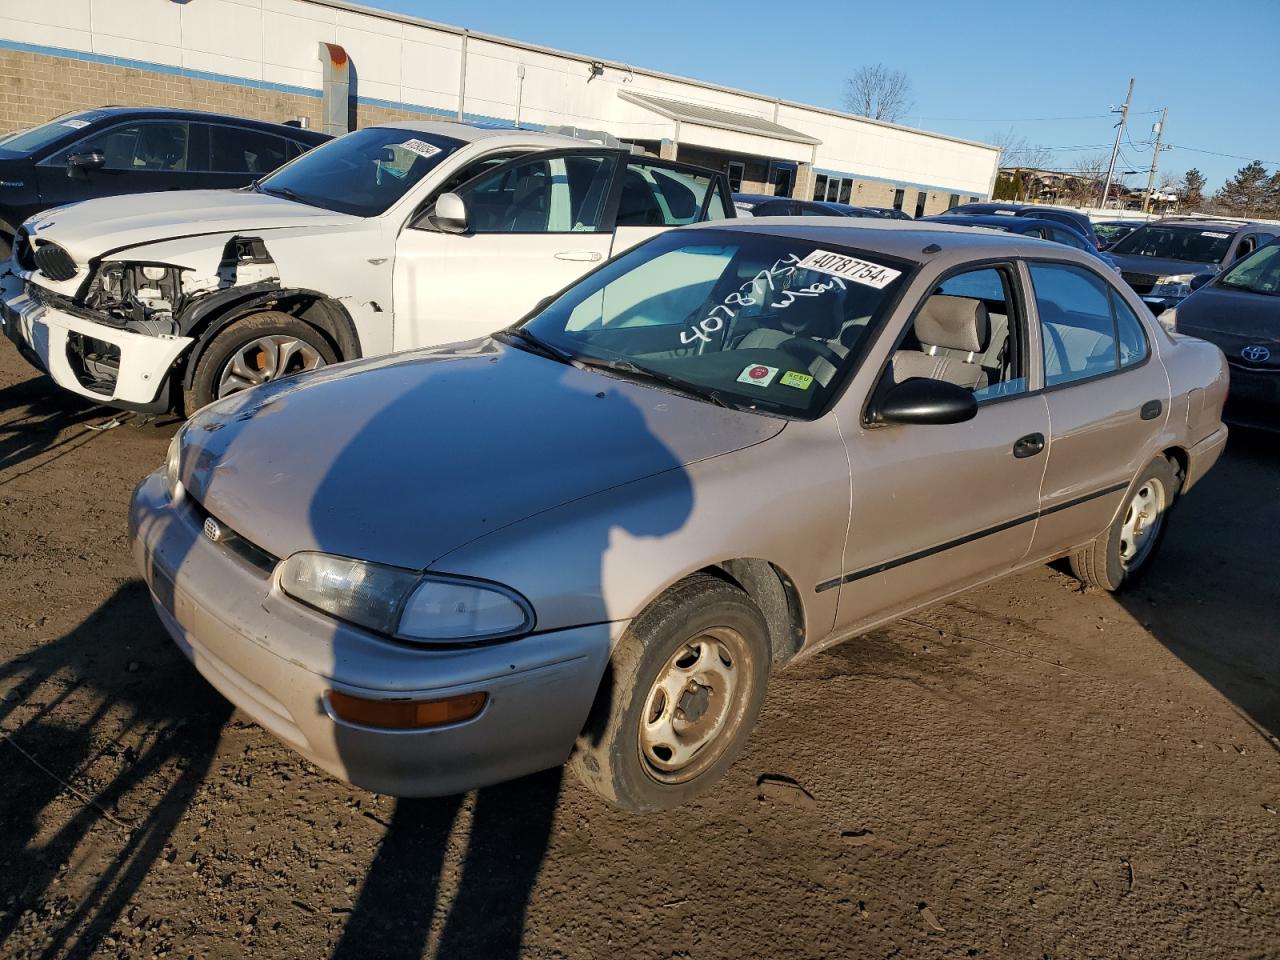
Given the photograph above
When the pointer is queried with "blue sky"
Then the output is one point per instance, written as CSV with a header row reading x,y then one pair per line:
x,y
978,68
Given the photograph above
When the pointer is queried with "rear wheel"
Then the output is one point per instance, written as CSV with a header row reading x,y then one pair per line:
x,y
254,350
685,686
1125,550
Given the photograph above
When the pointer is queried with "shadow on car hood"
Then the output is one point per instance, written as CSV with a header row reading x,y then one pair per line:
x,y
403,458
1230,317
1159,266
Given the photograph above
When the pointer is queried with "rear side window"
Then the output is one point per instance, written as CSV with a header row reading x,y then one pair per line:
x,y
237,150
1086,330
655,196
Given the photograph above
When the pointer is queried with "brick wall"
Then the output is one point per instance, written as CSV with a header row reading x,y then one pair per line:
x,y
35,88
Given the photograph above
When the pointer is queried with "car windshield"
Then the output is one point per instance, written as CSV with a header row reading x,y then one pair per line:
x,y
1258,273
363,173
1196,244
26,142
1110,231
739,318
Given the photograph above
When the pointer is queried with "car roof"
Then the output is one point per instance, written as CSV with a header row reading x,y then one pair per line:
x,y
115,112
904,239
1222,223
472,132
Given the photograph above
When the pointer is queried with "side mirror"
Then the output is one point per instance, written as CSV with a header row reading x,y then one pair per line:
x,y
84,162
450,214
922,400
1199,280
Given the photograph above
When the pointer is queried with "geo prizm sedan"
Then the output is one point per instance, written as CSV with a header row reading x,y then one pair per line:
x,y
594,534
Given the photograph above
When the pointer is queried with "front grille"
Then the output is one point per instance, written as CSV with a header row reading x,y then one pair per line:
x,y
1141,282
22,252
231,541
54,262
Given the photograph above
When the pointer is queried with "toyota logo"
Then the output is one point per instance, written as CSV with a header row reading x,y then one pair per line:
x,y
212,530
1256,353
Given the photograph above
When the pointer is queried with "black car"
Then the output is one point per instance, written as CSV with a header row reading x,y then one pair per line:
x,y
114,150
1166,259
760,205
1239,310
1071,218
1052,230
1113,231
888,213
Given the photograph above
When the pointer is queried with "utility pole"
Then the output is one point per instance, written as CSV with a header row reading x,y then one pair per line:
x,y
1155,159
1115,151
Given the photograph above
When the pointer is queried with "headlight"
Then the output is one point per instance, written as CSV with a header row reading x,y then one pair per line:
x,y
1169,319
173,463
424,608
1174,285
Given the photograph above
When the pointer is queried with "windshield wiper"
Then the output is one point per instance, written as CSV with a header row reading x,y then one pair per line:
x,y
645,373
289,194
537,345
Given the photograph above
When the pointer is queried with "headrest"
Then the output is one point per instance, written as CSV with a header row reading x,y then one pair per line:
x,y
953,323
820,316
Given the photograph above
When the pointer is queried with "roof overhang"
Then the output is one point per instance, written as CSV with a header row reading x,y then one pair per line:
x,y
716,118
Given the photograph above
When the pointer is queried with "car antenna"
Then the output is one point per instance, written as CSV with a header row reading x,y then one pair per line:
x,y
932,248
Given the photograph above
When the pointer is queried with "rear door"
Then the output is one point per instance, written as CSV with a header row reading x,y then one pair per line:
x,y
535,224
142,156
1108,398
656,195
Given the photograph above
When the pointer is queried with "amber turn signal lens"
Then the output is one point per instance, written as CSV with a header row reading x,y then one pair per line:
x,y
406,714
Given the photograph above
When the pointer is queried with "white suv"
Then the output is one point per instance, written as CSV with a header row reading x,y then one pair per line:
x,y
396,236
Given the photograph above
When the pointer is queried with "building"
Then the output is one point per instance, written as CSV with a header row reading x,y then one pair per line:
x,y
337,65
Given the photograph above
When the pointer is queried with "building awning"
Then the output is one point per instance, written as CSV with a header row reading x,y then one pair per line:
x,y
697,113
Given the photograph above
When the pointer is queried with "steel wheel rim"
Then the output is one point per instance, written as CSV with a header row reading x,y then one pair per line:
x,y
264,359
694,706
1143,518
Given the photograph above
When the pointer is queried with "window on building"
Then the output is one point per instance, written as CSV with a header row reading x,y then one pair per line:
x,y
736,171
846,190
921,197
953,201
783,181
973,199
819,187
899,197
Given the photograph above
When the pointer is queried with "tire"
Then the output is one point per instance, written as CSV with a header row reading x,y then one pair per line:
x,y
702,629
6,246
1123,553
257,342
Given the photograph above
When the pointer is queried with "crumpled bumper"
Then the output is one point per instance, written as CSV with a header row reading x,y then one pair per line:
x,y
277,660
42,333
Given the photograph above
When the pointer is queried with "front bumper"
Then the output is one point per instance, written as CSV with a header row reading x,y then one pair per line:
x,y
42,334
276,660
1203,455
1254,397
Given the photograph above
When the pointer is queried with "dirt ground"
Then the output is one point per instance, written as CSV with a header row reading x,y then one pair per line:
x,y
1029,771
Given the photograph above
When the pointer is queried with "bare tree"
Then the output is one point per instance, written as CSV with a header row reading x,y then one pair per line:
x,y
1085,180
879,93
1019,158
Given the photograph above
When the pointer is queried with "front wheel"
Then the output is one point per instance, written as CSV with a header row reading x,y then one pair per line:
x,y
1124,551
255,350
686,683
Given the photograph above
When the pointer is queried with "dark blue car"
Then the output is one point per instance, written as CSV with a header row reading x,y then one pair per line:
x,y
115,150
760,205
1051,230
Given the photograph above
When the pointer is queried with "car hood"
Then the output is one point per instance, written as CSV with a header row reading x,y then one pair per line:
x,y
404,458
93,227
1233,319
1159,266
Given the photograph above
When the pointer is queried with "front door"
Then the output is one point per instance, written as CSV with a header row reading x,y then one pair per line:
x,y
140,157
936,508
535,225
1108,398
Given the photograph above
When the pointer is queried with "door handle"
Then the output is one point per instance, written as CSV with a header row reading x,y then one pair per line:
x,y
1151,409
587,256
1029,445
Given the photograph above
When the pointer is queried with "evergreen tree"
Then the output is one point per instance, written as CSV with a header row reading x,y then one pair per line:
x,y
1193,184
1248,193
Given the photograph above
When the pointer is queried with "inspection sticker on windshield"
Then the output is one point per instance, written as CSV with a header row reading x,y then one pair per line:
x,y
75,124
421,148
849,268
758,374
800,381
1214,234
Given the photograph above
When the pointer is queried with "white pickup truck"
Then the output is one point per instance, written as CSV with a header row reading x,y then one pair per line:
x,y
396,236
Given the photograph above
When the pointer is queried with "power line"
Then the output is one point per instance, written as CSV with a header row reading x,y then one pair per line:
x,y
1229,156
1091,116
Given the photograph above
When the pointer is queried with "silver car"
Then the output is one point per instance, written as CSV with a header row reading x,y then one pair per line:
x,y
593,535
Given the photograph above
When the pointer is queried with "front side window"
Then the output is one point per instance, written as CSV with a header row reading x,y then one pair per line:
x,y
363,173
1193,243
1085,327
658,196
557,194
155,145
238,150
751,320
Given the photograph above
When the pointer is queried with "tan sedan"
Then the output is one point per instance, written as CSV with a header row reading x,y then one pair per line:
x,y
593,535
